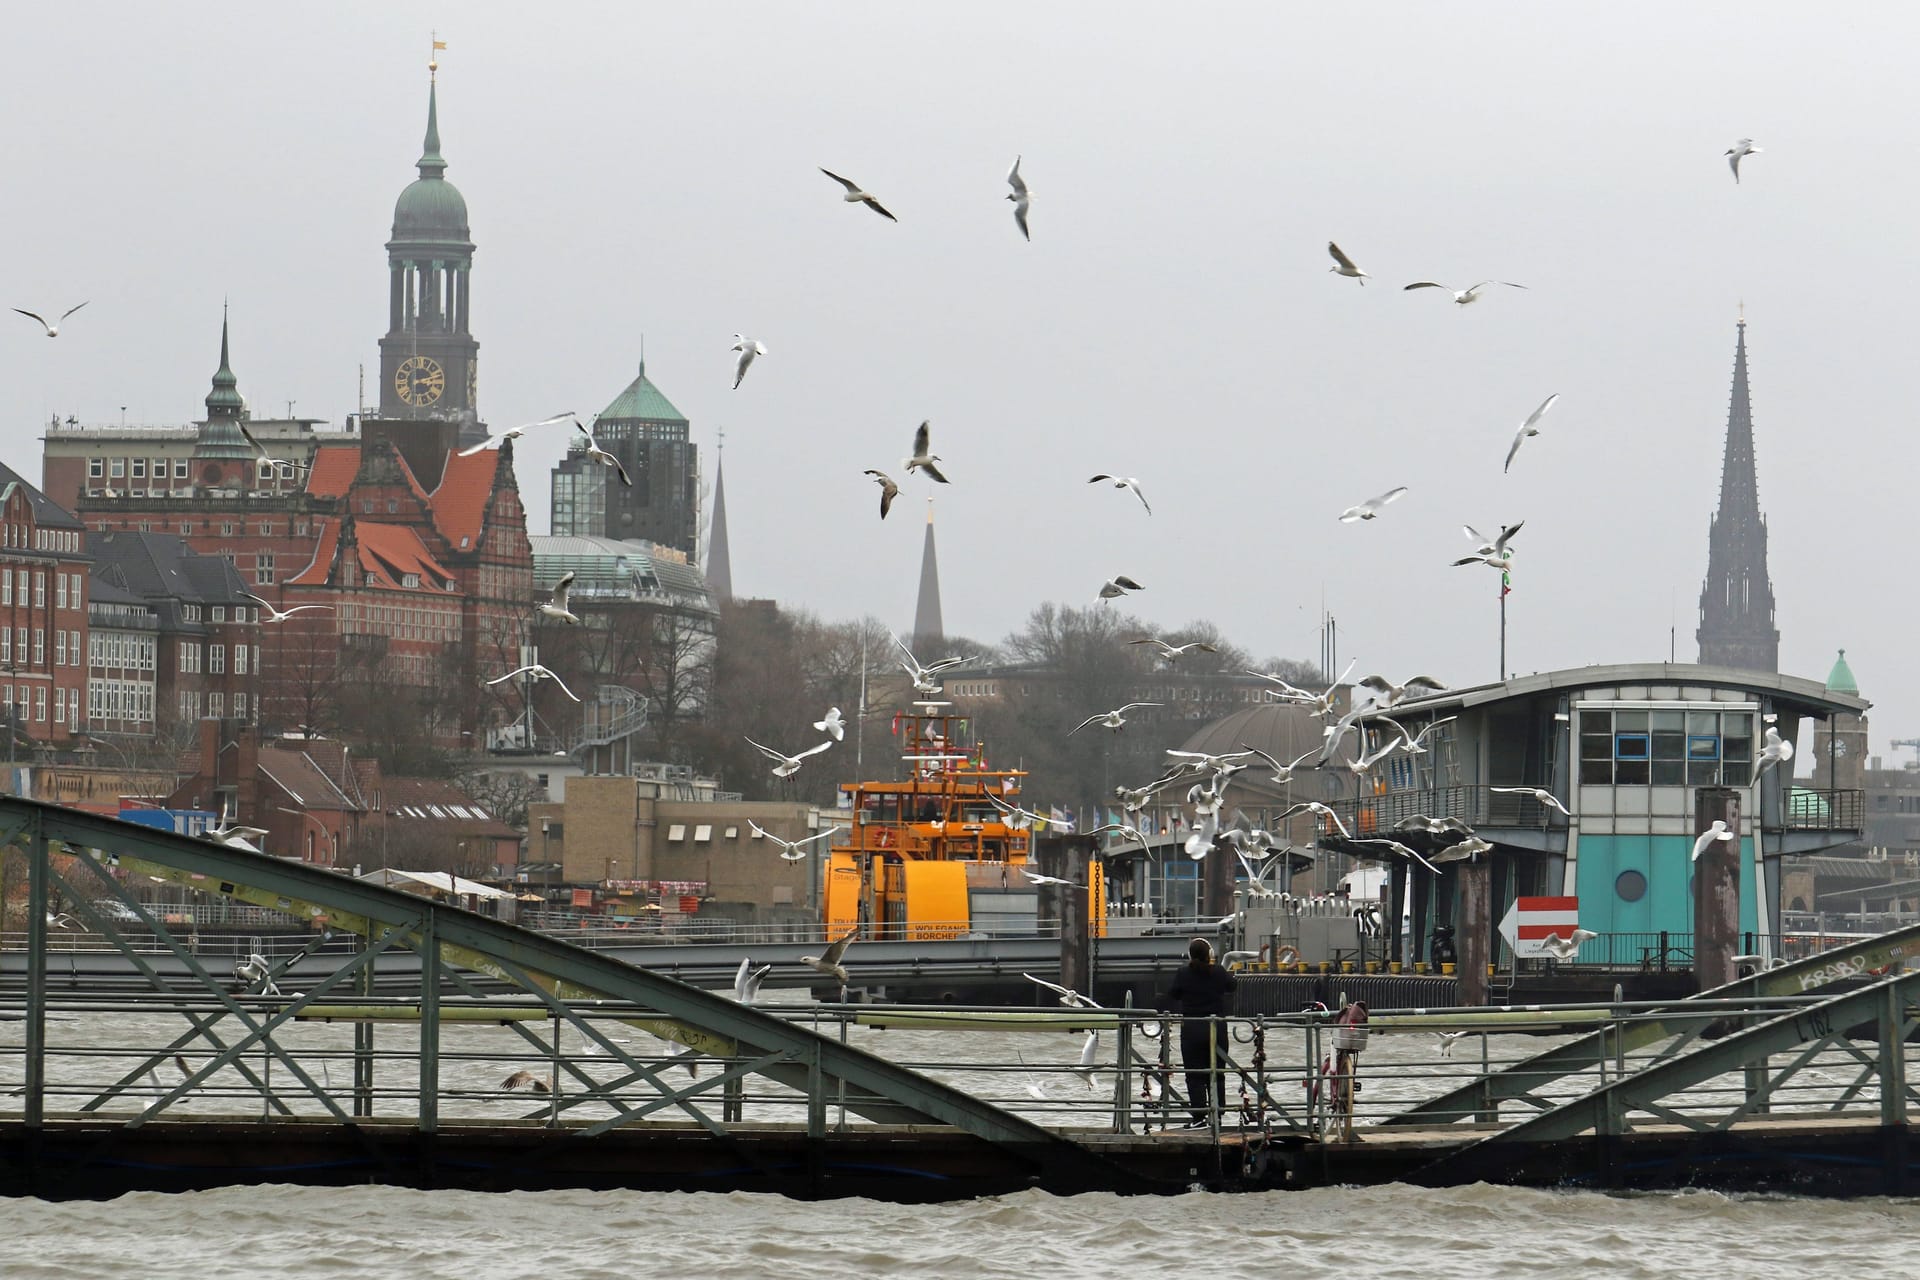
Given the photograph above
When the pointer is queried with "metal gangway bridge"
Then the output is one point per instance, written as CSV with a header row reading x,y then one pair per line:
x,y
524,1062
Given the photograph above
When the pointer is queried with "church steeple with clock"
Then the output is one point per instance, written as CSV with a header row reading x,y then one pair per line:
x,y
428,358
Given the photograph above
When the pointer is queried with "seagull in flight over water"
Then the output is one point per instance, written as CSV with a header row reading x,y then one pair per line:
x,y
922,460
1463,296
1022,197
1540,794
1114,719
1744,147
514,433
828,961
555,606
889,489
856,196
1528,429
601,456
748,349
53,330
747,980
923,676
1173,652
276,615
1370,509
1344,265
792,850
786,766
534,671
1124,482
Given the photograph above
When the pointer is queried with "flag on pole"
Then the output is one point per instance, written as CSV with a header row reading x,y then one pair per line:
x,y
1506,575
1059,817
439,44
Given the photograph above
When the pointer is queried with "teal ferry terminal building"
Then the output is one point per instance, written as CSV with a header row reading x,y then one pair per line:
x,y
1624,749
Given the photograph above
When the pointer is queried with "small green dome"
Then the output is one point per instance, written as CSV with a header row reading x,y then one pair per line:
x,y
1840,679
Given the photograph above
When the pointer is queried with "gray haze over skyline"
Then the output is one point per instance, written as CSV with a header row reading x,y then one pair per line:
x,y
653,170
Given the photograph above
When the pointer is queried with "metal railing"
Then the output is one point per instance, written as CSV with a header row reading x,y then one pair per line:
x,y
1809,809
1475,805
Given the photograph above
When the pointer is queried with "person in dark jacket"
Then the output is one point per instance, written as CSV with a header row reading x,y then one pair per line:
x,y
1200,993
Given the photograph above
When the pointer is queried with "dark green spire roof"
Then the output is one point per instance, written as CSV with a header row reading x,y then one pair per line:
x,y
431,209
220,435
432,163
224,400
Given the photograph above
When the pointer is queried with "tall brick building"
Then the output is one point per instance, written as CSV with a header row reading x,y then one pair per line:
x,y
44,574
419,556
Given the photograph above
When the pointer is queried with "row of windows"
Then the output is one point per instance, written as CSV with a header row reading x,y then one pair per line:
x,y
64,641
127,701
118,649
216,704
136,468
43,539
67,589
1666,748
31,708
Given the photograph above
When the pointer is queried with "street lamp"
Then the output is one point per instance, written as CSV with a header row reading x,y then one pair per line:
x,y
546,853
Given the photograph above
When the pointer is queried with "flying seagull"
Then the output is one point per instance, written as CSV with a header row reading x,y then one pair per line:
x,y
1068,996
888,489
922,460
1114,719
1462,850
1541,794
786,766
1124,482
601,456
1344,265
266,456
1322,703
233,836
1489,549
1391,693
1370,509
1317,809
1565,948
1528,429
1282,773
1463,296
1118,585
555,606
514,433
856,196
923,676
792,850
828,961
53,330
534,671
1173,652
1022,198
747,980
277,615
1744,147
748,349
1777,750
833,724
525,1080
1715,834
1037,878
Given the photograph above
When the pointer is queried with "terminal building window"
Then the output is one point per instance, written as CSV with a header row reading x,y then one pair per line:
x,y
1666,747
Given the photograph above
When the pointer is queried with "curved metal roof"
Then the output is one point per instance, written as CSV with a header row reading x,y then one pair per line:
x,y
1796,692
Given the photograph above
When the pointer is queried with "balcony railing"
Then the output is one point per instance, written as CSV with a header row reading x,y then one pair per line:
x,y
1812,810
1477,806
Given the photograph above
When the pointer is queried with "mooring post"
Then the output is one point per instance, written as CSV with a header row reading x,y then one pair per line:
x,y
1076,945
1474,940
1216,880
34,1118
1716,888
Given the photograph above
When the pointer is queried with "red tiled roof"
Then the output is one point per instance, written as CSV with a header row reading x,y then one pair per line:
x,y
459,505
334,467
315,574
391,551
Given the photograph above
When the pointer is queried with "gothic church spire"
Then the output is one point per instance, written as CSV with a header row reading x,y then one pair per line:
x,y
1736,601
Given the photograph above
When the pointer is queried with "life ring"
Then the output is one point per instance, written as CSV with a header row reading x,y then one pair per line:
x,y
1287,955
883,838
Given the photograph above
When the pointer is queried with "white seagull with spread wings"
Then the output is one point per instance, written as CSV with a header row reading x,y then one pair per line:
x,y
53,330
535,672
281,615
1021,196
855,195
785,766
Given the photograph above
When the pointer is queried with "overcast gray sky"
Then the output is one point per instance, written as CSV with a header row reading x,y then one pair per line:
x,y
651,169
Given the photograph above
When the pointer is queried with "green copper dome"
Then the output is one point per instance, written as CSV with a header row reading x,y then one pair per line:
x,y
642,400
431,208
1840,679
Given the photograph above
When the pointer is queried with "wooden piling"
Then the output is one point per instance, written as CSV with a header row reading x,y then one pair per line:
x,y
1076,945
1474,937
1716,888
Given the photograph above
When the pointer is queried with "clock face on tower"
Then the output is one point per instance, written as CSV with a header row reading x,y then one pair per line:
x,y
420,381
